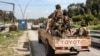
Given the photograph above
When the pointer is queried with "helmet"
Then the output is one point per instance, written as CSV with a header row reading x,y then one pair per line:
x,y
64,12
58,6
83,23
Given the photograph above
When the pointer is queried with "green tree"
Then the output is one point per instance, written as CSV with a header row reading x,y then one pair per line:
x,y
11,16
1,15
88,18
93,6
77,9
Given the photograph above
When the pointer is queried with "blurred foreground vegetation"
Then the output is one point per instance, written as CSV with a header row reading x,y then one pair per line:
x,y
8,41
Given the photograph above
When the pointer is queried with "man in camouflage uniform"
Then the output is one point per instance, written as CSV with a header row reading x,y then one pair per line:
x,y
57,20
83,30
67,22
58,14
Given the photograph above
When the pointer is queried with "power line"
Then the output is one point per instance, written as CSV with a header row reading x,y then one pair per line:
x,y
26,8
23,12
20,8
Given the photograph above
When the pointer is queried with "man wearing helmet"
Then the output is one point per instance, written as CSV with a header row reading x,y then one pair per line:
x,y
58,14
83,30
56,20
54,17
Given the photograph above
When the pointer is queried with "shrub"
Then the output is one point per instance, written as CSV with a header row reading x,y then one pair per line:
x,y
89,17
77,18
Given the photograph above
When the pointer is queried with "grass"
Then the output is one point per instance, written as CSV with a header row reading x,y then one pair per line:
x,y
9,37
92,27
9,40
95,27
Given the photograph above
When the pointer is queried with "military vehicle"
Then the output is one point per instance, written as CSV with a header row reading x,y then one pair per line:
x,y
71,45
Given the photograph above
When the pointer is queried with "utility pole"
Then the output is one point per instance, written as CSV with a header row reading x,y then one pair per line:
x,y
12,9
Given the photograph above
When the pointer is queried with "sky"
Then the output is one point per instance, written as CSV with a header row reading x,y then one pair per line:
x,y
35,8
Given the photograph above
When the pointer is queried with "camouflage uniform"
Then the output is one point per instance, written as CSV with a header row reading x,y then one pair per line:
x,y
67,24
58,29
49,21
83,30
57,21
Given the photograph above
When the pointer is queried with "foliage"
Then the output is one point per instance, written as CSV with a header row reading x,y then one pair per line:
x,y
8,37
77,18
94,6
76,9
98,16
89,17
9,40
42,19
94,22
90,7
95,27
7,16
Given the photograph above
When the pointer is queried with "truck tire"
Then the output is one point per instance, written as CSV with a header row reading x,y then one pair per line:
x,y
75,50
48,50
39,40
76,53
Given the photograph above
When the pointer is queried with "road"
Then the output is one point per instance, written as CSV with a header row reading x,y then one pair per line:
x,y
38,49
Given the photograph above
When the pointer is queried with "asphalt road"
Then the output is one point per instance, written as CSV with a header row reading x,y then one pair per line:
x,y
38,49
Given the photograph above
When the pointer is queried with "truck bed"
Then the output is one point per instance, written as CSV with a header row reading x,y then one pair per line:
x,y
64,44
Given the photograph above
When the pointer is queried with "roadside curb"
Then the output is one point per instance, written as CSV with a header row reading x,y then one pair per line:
x,y
30,47
23,44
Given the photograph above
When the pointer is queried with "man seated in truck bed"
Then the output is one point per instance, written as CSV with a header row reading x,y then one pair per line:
x,y
83,30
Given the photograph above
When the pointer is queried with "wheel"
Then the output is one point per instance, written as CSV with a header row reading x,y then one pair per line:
x,y
39,40
48,50
75,50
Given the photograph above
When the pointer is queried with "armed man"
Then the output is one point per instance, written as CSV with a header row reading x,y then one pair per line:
x,y
58,20
55,22
83,30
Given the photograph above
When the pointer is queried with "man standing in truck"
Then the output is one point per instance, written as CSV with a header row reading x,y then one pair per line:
x,y
54,23
58,14
58,20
